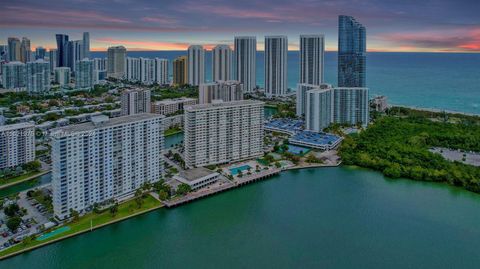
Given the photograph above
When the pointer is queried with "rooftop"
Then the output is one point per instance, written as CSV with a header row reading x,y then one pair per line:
x,y
10,127
315,138
223,104
88,126
290,125
196,173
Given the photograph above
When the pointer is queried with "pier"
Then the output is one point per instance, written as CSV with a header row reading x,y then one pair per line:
x,y
264,174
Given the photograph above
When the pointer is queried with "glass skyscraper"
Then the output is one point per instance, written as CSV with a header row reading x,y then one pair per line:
x,y
352,47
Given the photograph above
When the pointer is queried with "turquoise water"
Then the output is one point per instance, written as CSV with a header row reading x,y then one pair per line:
x,y
235,170
44,179
314,218
449,81
53,233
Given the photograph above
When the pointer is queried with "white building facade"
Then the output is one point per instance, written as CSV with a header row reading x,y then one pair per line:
x,y
302,89
319,112
17,144
276,48
171,106
220,90
245,49
196,65
104,159
312,54
84,76
223,132
221,63
351,106
38,76
62,75
135,101
13,75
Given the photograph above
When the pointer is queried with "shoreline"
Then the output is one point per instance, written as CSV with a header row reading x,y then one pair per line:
x,y
24,180
80,232
434,110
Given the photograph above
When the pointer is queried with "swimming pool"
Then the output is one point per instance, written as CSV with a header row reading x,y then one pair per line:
x,y
53,233
235,170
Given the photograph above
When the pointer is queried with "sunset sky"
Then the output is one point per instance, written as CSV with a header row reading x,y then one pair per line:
x,y
409,25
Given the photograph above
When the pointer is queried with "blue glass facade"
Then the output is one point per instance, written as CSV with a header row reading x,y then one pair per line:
x,y
352,47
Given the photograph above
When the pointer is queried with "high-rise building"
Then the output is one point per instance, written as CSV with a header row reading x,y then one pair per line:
x,y
135,101
171,106
352,47
17,144
52,59
245,48
100,64
226,91
62,50
84,76
62,75
276,48
14,49
38,76
3,53
147,70
196,65
302,89
320,109
221,63
86,45
25,50
223,132
75,51
105,159
116,57
180,70
40,53
312,50
351,106
161,71
13,75
132,69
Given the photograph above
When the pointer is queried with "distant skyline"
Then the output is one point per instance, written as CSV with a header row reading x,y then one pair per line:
x,y
429,26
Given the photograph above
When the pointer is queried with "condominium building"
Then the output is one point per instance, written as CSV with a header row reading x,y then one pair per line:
x,y
196,65
245,48
99,64
38,76
14,49
116,57
135,101
180,70
25,50
63,75
352,47
17,144
379,103
3,53
103,160
320,109
86,45
226,91
312,51
75,54
52,59
351,106
13,75
161,71
84,76
171,106
132,69
223,132
40,53
301,93
276,66
221,63
62,50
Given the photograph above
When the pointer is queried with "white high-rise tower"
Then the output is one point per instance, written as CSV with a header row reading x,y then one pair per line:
x,y
221,63
312,51
245,61
196,65
276,65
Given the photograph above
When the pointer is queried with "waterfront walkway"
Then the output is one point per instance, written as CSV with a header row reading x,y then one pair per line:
x,y
239,181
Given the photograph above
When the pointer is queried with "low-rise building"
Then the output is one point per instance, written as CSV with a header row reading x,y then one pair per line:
x,y
197,178
171,106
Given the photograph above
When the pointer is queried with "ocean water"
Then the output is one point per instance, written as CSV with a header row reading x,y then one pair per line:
x,y
447,81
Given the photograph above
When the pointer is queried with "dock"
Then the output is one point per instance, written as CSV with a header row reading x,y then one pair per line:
x,y
262,175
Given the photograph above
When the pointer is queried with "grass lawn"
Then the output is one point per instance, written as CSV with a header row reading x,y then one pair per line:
x,y
124,210
172,131
19,178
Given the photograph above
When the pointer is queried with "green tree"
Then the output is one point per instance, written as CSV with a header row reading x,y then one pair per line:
x,y
183,189
114,209
13,223
11,210
74,214
163,195
139,198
